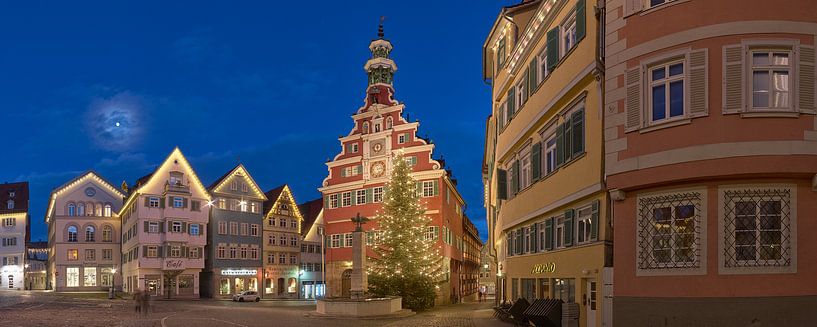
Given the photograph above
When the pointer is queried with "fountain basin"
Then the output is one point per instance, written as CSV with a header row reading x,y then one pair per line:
x,y
370,307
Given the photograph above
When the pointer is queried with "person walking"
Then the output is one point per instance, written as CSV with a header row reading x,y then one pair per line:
x,y
145,303
137,300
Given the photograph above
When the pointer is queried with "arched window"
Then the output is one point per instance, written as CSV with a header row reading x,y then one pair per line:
x,y
72,233
89,233
107,210
98,208
365,128
388,122
376,128
72,209
81,209
10,204
107,234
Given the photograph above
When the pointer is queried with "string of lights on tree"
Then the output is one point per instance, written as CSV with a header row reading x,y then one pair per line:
x,y
403,251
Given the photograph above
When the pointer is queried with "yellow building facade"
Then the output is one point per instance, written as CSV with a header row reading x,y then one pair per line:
x,y
545,197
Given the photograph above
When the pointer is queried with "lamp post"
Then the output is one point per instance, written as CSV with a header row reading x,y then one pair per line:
x,y
300,273
26,282
113,284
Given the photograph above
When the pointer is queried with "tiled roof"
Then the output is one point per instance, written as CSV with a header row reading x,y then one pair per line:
x,y
220,179
20,198
310,210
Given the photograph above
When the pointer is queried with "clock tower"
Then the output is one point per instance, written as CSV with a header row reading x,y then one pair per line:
x,y
357,175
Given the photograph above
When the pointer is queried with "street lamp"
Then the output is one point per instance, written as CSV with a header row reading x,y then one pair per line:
x,y
300,273
113,283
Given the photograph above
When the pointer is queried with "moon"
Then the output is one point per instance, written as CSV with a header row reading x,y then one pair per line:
x,y
114,123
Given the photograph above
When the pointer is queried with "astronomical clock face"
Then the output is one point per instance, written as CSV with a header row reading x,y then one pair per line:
x,y
378,147
378,169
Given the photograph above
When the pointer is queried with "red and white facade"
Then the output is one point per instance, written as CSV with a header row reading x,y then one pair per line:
x,y
357,175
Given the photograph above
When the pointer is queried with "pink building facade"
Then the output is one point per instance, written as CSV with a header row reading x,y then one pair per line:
x,y
164,224
711,161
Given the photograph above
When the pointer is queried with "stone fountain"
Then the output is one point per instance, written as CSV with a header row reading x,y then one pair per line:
x,y
358,305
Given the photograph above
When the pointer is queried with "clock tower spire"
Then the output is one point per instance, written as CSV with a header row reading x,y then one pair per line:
x,y
380,69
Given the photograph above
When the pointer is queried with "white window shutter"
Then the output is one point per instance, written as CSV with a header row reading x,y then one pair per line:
x,y
632,7
633,100
805,80
698,90
733,76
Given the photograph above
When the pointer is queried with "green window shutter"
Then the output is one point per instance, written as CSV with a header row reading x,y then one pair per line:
x,y
369,195
567,129
534,240
533,69
502,184
515,180
146,227
508,244
419,186
500,122
162,202
144,251
520,241
147,201
511,103
161,227
569,227
436,187
342,172
594,221
526,80
414,160
560,145
549,234
578,132
326,201
536,161
184,227
553,48
184,202
581,16
359,169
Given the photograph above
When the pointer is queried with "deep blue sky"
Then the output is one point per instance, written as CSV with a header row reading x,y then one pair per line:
x,y
272,82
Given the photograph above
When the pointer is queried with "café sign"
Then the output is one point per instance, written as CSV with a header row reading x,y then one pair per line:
x,y
239,272
542,268
173,264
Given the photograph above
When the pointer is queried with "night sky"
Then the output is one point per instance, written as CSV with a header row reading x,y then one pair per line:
x,y
272,84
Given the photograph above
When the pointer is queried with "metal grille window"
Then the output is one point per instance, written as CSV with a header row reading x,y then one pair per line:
x,y
757,226
670,231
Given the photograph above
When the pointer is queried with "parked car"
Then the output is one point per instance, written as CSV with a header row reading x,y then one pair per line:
x,y
247,296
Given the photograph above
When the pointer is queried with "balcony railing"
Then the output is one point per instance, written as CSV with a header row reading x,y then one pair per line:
x,y
177,187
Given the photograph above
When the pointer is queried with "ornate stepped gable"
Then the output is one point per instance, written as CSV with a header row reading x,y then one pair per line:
x,y
380,128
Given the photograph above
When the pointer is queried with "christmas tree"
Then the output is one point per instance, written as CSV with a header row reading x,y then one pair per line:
x,y
407,263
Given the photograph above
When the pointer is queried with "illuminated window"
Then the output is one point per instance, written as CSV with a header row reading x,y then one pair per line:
x,y
107,211
72,277
153,251
73,255
90,276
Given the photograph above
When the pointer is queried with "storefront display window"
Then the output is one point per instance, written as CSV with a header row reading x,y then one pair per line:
x,y
90,276
224,287
72,277
565,289
529,289
239,285
268,285
252,284
293,285
186,284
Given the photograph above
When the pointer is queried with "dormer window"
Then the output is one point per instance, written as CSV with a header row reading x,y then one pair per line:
x,y
10,204
176,178
12,193
388,122
376,128
365,128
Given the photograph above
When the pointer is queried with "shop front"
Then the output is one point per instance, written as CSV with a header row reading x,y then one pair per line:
x,y
281,282
231,281
572,275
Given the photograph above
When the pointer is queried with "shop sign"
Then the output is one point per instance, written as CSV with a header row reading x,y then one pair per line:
x,y
542,268
239,272
173,264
